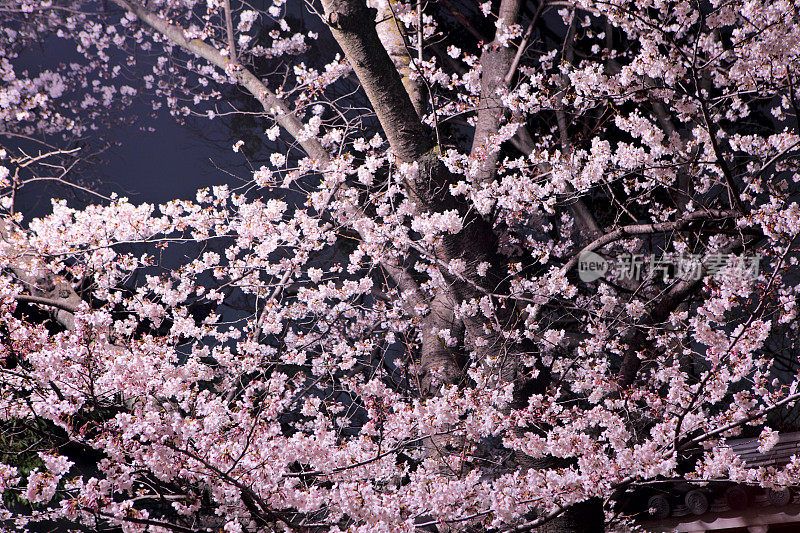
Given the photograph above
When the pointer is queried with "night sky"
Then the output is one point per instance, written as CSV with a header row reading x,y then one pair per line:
x,y
171,162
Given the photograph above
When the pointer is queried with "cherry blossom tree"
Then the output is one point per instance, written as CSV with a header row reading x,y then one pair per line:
x,y
394,335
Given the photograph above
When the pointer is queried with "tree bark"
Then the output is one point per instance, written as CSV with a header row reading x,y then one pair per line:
x,y
353,26
395,41
496,61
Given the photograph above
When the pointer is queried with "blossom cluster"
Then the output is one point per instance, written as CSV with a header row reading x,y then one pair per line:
x,y
355,340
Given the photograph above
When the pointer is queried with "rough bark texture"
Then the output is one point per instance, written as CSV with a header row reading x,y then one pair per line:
x,y
353,26
396,44
496,61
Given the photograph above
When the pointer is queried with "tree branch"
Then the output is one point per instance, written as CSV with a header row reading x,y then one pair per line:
x,y
496,61
646,229
353,26
722,163
394,41
229,29
660,311
46,301
268,99
512,69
